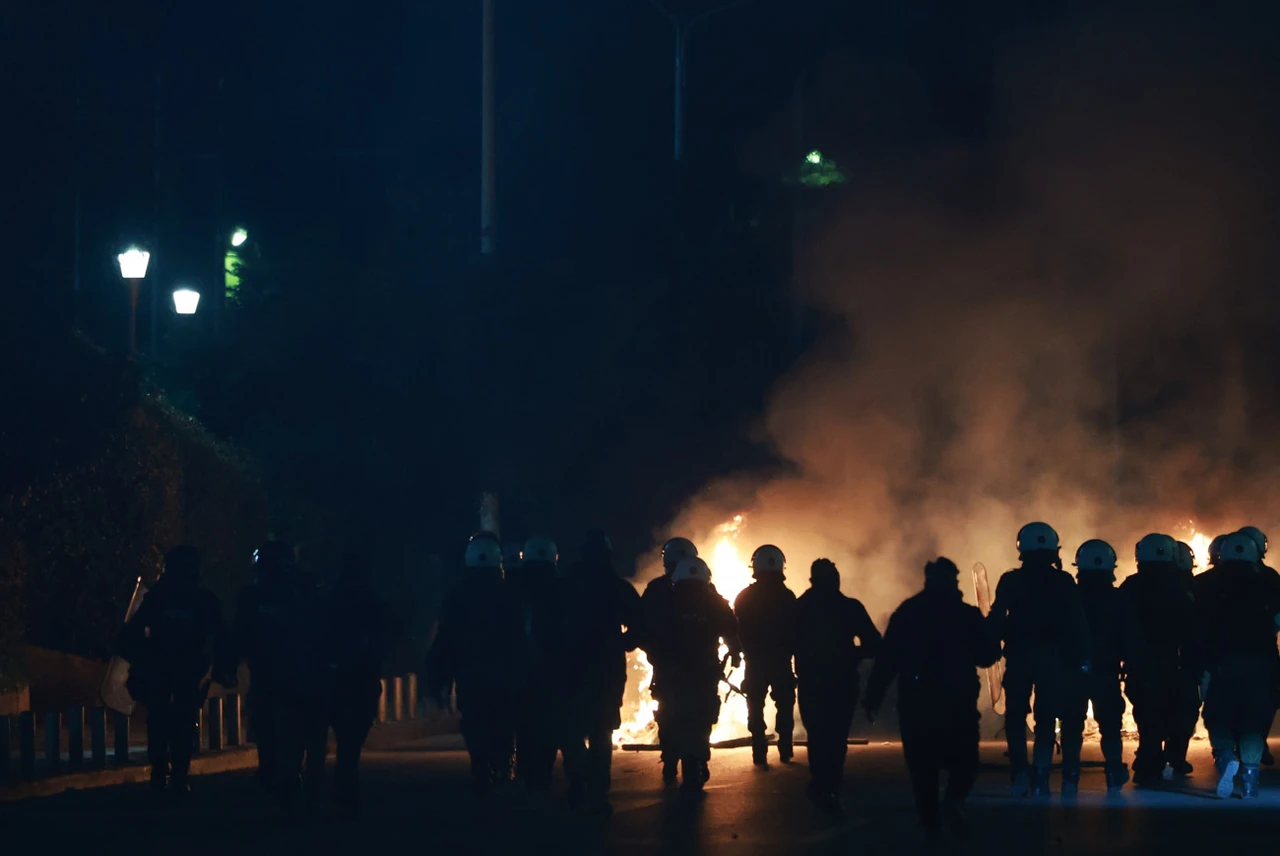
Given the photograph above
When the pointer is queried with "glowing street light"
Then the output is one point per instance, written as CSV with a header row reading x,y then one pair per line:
x,y
133,268
814,157
185,301
238,237
133,263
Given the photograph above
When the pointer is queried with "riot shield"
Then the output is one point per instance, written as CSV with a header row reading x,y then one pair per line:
x,y
115,694
995,672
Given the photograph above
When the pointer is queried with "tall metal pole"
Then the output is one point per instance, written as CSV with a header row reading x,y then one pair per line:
x,y
683,26
486,134
155,211
682,34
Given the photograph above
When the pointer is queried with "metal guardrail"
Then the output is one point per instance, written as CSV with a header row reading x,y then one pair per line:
x,y
222,725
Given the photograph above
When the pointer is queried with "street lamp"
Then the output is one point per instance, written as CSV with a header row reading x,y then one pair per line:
x,y
133,268
185,301
238,237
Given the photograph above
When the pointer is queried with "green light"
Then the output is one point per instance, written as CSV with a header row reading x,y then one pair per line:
x,y
231,266
238,237
819,171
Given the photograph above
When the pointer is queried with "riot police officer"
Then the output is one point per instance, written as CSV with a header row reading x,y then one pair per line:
x,y
1038,614
472,654
653,603
537,663
169,644
1163,610
1110,633
1238,605
687,635
766,625
597,605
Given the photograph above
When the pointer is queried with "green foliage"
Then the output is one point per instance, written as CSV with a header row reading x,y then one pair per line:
x,y
106,477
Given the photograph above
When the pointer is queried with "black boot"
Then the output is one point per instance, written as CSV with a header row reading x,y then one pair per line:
x,y
1227,768
785,752
1070,782
759,751
1040,782
1249,781
1020,784
1117,777
670,772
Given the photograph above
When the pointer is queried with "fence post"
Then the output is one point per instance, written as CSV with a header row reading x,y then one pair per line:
x,y
214,720
75,737
98,736
122,738
411,694
235,727
52,740
382,702
27,743
4,747
397,699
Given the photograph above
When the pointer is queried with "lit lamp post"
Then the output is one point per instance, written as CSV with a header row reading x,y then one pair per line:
x,y
185,301
133,268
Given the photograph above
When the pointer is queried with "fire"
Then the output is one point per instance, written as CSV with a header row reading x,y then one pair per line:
x,y
730,574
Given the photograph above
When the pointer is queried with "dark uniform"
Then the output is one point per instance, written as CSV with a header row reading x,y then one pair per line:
x,y
169,644
766,626
653,603
361,628
260,609
472,654
1188,714
303,688
686,642
538,669
1163,610
934,645
1111,635
833,635
596,604
1038,614
1237,604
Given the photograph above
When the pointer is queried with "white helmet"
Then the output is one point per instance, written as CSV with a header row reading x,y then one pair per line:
x,y
1096,555
1035,537
1259,537
1186,557
676,549
483,552
691,568
540,549
768,560
1157,548
1240,547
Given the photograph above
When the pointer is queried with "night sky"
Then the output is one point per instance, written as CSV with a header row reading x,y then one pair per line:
x,y
624,344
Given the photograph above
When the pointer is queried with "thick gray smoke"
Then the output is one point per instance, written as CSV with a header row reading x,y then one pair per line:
x,y
1055,327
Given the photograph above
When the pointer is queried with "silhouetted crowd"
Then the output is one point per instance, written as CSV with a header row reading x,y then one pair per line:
x,y
535,656
315,663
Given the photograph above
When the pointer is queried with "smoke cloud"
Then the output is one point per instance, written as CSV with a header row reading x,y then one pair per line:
x,y
1066,323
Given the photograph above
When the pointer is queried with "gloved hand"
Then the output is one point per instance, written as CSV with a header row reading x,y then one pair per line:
x,y
735,659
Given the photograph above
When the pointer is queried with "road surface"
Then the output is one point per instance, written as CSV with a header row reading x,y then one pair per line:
x,y
418,802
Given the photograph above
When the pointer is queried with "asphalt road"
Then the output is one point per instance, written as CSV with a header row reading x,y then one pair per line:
x,y
417,802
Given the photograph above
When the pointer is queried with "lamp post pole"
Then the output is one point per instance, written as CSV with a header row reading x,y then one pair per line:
x,y
135,286
133,269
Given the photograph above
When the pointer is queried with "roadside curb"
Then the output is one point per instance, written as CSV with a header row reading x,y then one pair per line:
x,y
219,762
